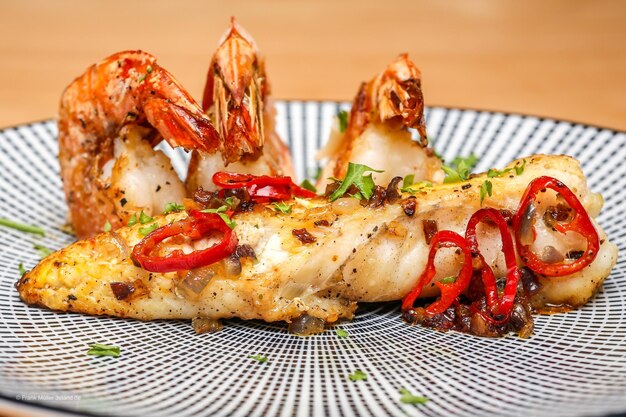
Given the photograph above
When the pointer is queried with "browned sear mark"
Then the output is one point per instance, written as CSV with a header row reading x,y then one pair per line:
x,y
127,291
409,206
430,229
303,236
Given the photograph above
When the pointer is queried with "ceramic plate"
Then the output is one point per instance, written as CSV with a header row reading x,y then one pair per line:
x,y
574,365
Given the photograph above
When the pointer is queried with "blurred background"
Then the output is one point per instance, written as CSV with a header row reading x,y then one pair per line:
x,y
562,58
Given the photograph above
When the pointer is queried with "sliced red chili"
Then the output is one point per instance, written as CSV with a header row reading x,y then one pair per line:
x,y
500,307
196,226
262,188
449,292
580,223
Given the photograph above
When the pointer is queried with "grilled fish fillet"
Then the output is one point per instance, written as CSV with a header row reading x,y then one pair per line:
x,y
360,254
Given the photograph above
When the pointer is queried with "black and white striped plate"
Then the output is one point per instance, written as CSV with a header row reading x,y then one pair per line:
x,y
574,365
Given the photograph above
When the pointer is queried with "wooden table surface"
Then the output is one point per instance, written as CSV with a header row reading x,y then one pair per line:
x,y
563,58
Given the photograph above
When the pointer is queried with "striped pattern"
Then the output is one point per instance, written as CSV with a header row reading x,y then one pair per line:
x,y
575,364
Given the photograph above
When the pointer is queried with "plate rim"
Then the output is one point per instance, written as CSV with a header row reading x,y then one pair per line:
x,y
429,107
54,410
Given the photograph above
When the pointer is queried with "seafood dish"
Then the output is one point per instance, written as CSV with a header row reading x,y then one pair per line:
x,y
386,220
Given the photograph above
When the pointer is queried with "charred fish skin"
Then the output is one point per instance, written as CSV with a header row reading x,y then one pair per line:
x,y
324,278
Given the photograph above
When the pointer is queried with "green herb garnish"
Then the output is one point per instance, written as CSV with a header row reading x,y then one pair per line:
x,y
409,187
21,269
458,174
342,333
358,375
282,207
318,174
343,120
493,173
519,169
229,201
469,161
144,231
408,181
485,189
306,184
259,358
354,176
459,169
133,220
221,211
98,349
409,398
173,207
107,226
144,218
43,251
448,280
143,77
22,227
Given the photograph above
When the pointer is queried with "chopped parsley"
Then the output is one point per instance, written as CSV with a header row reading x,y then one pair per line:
x,y
469,161
133,220
306,184
259,358
409,398
354,176
358,375
43,251
408,181
458,174
144,218
22,227
221,211
486,188
459,169
282,207
448,280
342,116
493,173
98,349
173,208
148,71
519,170
318,174
144,231
21,269
107,226
229,201
409,187
342,333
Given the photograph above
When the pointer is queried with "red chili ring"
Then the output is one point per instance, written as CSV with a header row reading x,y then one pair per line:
x,y
449,292
498,306
196,226
581,223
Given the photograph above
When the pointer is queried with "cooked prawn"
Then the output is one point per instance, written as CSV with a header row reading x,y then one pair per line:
x,y
109,119
237,97
377,132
